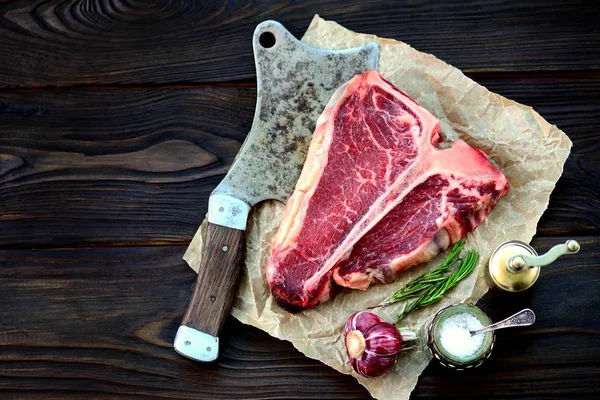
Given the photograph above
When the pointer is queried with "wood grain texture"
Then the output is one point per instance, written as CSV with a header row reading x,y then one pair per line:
x,y
103,166
121,167
162,95
100,322
75,42
218,279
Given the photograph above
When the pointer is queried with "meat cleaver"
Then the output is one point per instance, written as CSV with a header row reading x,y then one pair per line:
x,y
294,83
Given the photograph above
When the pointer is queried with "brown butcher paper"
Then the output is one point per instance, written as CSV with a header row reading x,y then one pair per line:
x,y
529,151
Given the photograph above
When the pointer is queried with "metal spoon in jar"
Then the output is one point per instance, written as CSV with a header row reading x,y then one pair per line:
x,y
524,317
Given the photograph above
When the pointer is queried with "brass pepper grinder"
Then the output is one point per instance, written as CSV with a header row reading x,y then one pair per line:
x,y
515,266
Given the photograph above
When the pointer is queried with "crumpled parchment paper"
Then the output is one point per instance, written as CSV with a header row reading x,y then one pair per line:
x,y
529,151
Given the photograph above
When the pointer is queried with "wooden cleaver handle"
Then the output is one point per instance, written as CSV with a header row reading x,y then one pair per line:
x,y
217,282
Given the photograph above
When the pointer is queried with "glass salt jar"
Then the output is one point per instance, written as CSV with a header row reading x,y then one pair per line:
x,y
450,340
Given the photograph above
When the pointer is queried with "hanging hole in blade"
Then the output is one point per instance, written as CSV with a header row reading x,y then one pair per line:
x,y
267,40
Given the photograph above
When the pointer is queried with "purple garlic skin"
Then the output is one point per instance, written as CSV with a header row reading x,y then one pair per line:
x,y
372,344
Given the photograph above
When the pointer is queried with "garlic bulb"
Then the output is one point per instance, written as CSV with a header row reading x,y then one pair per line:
x,y
373,344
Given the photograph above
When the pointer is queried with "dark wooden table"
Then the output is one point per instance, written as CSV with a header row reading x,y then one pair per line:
x,y
118,117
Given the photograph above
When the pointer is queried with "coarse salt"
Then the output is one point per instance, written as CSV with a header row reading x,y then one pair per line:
x,y
456,338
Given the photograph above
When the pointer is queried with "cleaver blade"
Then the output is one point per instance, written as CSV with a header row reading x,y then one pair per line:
x,y
294,83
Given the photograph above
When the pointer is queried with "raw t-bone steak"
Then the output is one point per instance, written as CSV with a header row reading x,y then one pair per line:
x,y
376,195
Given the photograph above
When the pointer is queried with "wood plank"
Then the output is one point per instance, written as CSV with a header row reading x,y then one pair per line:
x,y
137,166
101,165
100,321
124,42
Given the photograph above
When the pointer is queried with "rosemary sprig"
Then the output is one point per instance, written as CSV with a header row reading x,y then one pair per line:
x,y
434,291
415,287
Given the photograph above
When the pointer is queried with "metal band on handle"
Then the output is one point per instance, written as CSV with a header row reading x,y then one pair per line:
x,y
196,345
228,211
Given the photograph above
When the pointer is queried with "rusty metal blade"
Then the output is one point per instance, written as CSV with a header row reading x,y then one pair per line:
x,y
295,82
